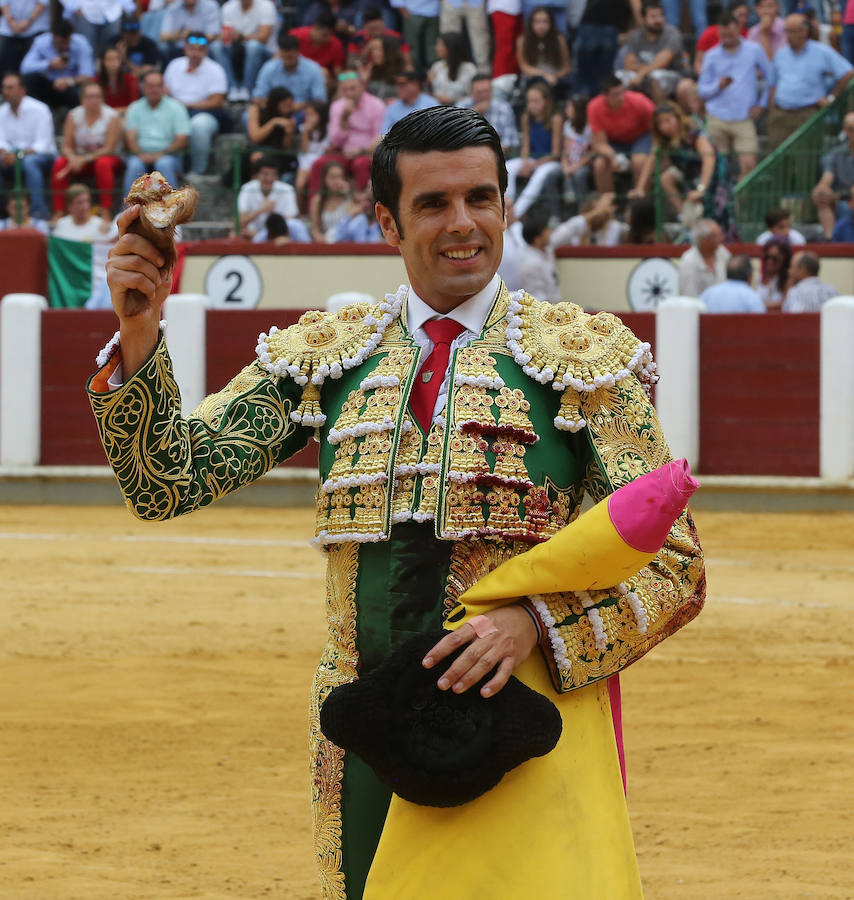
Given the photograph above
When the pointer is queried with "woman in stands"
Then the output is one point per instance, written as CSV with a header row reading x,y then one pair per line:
x,y
331,204
314,139
90,138
380,64
541,147
774,273
273,132
118,83
688,162
450,76
577,150
542,52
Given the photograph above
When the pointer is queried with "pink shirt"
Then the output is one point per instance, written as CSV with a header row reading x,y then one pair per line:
x,y
363,127
778,36
848,18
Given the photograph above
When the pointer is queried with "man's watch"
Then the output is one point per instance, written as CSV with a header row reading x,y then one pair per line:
x,y
701,188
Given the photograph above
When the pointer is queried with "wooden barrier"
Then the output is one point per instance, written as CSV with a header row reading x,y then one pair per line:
x,y
759,394
71,339
759,400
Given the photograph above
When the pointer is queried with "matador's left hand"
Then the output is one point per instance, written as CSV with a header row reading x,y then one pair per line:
x,y
507,647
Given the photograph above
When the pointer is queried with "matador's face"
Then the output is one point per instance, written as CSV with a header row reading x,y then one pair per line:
x,y
451,223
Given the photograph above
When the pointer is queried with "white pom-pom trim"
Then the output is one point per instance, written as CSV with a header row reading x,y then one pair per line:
x,y
336,436
641,615
557,642
351,481
378,381
483,381
283,367
324,538
406,515
421,468
110,348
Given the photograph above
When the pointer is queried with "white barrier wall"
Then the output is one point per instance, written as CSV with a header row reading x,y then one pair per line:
x,y
20,378
185,337
836,428
677,357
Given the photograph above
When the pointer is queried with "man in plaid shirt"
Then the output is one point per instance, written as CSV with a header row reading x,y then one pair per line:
x,y
499,113
807,293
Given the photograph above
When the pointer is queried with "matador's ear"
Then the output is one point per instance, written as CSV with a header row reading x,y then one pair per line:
x,y
388,224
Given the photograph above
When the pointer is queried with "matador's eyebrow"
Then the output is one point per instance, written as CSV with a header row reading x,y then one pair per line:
x,y
481,190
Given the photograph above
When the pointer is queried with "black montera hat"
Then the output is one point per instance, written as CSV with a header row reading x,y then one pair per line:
x,y
433,747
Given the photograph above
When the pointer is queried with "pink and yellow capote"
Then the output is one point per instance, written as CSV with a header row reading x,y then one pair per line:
x,y
604,546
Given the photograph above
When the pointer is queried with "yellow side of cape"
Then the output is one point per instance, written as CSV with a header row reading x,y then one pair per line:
x,y
588,554
554,828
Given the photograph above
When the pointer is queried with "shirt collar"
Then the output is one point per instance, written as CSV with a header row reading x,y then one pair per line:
x,y
471,314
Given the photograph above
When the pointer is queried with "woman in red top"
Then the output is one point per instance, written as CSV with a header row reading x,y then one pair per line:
x,y
118,83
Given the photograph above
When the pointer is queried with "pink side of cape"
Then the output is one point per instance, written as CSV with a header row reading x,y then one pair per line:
x,y
644,510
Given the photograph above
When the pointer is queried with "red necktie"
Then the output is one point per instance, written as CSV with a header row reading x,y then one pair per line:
x,y
422,400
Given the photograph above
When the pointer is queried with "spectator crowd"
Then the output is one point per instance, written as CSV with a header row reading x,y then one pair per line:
x,y
620,121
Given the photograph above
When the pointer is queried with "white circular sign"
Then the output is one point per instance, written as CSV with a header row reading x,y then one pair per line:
x,y
234,282
650,282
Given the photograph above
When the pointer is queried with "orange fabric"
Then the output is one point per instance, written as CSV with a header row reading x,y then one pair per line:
x,y
100,378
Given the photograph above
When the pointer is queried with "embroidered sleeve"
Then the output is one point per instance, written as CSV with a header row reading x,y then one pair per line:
x,y
594,635
167,465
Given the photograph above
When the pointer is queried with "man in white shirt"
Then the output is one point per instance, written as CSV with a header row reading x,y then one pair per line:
x,y
537,260
201,85
185,17
26,138
595,224
21,21
704,264
263,195
99,21
248,40
807,293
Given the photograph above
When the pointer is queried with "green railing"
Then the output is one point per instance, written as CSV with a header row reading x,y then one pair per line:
x,y
786,177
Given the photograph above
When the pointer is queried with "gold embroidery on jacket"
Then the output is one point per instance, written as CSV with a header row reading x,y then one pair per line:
x,y
338,665
604,631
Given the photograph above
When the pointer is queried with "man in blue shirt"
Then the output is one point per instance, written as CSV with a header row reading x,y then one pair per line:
x,y
735,295
837,179
803,71
57,62
728,83
302,77
843,230
409,99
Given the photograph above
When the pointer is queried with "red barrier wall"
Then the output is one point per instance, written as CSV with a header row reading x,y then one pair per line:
x,y
71,339
23,262
759,395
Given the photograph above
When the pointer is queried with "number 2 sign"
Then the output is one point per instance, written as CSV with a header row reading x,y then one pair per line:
x,y
234,282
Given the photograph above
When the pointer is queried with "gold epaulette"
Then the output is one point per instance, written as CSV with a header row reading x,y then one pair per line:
x,y
323,345
577,352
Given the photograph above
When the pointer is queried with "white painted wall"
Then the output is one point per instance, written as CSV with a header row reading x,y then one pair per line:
x,y
20,378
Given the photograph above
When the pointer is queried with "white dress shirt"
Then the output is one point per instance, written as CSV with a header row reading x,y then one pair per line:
x,y
471,315
192,86
31,128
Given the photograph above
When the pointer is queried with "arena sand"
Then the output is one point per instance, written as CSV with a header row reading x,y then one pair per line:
x,y
154,702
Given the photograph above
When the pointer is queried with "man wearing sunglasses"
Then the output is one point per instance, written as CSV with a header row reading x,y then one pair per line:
x,y
200,84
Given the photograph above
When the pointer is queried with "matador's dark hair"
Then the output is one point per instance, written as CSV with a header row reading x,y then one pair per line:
x,y
443,128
